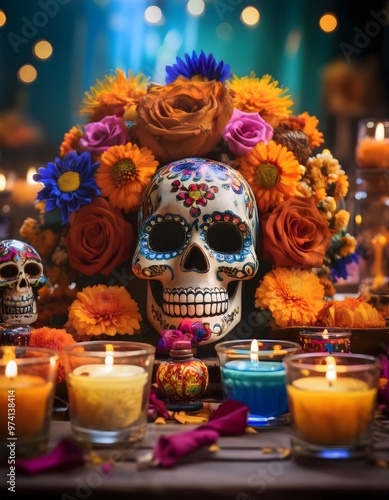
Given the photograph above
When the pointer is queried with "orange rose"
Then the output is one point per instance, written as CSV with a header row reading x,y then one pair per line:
x,y
183,119
99,238
295,234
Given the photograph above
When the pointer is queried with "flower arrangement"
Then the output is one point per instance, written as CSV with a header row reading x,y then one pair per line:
x,y
92,191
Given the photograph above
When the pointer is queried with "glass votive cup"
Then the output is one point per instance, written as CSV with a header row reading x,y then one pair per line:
x,y
108,385
372,149
16,335
258,383
325,340
27,386
332,401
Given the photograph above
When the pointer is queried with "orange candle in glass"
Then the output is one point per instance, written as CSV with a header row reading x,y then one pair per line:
x,y
372,149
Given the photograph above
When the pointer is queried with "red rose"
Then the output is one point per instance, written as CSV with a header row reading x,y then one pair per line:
x,y
99,238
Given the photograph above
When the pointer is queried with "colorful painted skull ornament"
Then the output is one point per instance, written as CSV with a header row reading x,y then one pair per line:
x,y
198,228
21,276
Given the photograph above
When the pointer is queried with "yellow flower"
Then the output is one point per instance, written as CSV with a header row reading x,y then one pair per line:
x,y
123,174
293,296
272,172
104,310
251,94
349,245
113,95
324,174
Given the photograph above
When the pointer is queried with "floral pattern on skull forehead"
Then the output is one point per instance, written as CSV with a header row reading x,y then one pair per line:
x,y
22,252
196,193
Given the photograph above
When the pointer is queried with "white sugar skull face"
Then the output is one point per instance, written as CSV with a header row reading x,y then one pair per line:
x,y
21,276
197,233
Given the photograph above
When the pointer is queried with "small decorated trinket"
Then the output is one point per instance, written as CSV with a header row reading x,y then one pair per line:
x,y
182,379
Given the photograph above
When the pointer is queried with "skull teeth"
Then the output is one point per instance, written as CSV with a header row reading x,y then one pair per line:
x,y
191,302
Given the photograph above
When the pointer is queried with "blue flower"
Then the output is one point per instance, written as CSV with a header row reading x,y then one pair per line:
x,y
339,266
69,183
203,65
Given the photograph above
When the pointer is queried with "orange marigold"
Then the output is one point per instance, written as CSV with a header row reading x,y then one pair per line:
x,y
351,312
113,95
293,296
70,141
44,241
104,310
52,338
262,95
310,129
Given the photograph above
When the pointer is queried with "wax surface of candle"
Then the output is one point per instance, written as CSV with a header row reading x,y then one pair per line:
x,y
372,153
260,385
31,397
331,414
106,397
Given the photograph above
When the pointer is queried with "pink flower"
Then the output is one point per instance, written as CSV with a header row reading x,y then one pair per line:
x,y
99,136
245,130
168,339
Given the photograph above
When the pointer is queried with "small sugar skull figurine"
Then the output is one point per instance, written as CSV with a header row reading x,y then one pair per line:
x,y
21,276
198,226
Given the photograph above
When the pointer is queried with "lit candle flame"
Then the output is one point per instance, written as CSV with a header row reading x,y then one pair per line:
x,y
331,370
108,357
380,132
254,351
11,370
30,174
325,333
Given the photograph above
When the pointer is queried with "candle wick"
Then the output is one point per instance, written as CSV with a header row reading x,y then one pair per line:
x,y
330,383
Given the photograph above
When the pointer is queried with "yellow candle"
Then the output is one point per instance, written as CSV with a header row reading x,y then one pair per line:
x,y
30,395
336,412
373,152
106,397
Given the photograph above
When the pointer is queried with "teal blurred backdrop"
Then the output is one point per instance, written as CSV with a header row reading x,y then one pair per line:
x,y
91,38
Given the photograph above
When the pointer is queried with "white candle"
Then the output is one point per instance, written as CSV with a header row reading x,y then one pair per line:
x,y
106,396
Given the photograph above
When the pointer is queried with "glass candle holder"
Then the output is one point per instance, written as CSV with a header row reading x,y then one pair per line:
x,y
108,387
27,388
252,372
332,400
372,149
325,340
16,335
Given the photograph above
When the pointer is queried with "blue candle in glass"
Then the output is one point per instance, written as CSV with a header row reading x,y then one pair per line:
x,y
257,378
259,385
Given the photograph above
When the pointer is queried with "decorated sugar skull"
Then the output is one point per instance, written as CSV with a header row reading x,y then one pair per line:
x,y
21,276
198,227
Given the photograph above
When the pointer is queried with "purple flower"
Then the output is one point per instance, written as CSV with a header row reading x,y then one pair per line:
x,y
199,331
244,131
99,136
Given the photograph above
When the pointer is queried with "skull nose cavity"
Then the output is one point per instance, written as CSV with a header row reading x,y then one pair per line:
x,y
22,283
195,260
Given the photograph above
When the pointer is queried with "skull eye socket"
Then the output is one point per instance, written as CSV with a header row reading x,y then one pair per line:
x,y
32,269
167,236
8,272
225,237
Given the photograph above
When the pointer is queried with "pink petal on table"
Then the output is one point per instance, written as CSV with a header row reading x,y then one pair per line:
x,y
64,456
